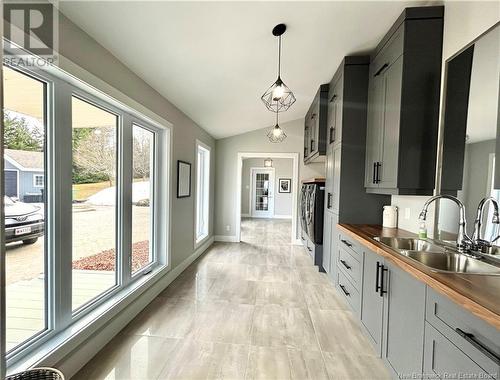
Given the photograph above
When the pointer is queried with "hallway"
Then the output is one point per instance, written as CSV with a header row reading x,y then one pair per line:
x,y
257,309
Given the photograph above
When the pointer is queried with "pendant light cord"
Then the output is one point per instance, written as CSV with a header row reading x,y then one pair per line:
x,y
279,56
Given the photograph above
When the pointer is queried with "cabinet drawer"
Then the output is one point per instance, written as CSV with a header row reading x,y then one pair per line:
x,y
474,337
350,266
443,360
351,245
349,291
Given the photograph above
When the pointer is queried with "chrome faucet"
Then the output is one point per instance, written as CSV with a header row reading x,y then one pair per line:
x,y
479,242
463,241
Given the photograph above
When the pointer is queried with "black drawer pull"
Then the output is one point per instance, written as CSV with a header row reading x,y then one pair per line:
x,y
346,243
309,249
345,291
329,201
374,177
345,264
332,134
477,344
381,69
333,98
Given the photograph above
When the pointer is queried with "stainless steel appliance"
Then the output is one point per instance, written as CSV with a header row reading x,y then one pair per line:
x,y
311,211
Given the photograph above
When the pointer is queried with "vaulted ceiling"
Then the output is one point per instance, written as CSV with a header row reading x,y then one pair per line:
x,y
214,60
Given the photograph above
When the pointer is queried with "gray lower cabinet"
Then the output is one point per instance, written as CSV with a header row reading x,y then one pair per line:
x,y
457,342
372,301
392,313
445,361
329,244
404,315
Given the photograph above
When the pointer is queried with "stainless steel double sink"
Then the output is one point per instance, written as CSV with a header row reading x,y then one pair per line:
x,y
438,258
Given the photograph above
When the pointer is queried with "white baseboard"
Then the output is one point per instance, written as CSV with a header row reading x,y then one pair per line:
x,y
226,238
282,216
77,358
246,215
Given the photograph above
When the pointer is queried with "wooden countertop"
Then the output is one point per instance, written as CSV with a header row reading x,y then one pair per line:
x,y
479,294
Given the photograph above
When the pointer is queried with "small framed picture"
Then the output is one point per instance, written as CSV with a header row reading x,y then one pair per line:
x,y
285,185
183,179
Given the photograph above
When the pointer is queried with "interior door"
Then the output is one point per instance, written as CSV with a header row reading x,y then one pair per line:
x,y
262,193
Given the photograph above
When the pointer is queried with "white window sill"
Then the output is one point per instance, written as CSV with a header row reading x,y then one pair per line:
x,y
201,240
69,339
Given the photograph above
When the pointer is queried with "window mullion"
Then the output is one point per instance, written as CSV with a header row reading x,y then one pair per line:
x,y
124,220
61,197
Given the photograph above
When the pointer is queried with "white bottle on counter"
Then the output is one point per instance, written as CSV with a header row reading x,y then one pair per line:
x,y
390,217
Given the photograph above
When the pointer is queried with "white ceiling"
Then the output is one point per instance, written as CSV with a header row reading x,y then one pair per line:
x,y
214,60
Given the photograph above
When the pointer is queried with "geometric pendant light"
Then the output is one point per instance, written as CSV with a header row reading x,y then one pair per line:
x,y
278,97
276,135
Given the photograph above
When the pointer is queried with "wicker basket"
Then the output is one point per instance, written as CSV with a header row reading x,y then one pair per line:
x,y
37,374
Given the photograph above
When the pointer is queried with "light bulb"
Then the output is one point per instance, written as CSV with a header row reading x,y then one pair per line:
x,y
277,131
278,92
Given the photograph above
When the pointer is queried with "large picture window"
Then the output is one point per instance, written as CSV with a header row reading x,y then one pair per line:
x,y
86,183
202,191
25,121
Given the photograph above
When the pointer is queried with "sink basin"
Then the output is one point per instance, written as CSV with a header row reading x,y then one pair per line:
x,y
452,262
409,244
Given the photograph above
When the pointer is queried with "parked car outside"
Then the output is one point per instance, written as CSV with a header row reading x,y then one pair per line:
x,y
23,221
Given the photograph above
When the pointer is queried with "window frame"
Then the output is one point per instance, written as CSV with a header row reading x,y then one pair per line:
x,y
35,177
199,239
61,320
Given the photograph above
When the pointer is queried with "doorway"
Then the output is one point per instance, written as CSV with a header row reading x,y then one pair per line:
x,y
284,194
262,193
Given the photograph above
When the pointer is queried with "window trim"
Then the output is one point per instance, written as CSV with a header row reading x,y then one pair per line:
x,y
90,86
198,241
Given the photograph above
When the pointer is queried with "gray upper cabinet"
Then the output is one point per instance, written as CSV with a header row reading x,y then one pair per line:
x,y
403,105
315,127
335,99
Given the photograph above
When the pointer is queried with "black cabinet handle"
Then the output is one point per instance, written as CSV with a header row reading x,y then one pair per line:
x,y
313,116
312,145
480,346
345,291
309,249
346,242
376,172
329,201
345,264
381,69
377,277
381,290
332,134
333,98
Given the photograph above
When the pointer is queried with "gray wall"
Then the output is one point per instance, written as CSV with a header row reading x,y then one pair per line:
x,y
226,167
81,49
463,22
283,168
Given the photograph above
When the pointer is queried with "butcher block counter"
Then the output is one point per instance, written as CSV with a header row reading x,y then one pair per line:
x,y
479,294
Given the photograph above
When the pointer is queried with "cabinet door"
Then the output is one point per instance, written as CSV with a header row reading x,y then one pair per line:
x,y
335,113
371,301
404,306
336,178
388,170
442,359
306,136
329,179
314,128
327,238
374,131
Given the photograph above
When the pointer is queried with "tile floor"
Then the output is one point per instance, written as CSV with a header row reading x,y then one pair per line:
x,y
258,309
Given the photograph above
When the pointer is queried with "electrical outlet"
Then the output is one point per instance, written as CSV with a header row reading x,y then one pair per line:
x,y
228,228
407,213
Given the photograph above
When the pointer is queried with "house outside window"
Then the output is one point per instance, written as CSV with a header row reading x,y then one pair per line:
x,y
38,180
